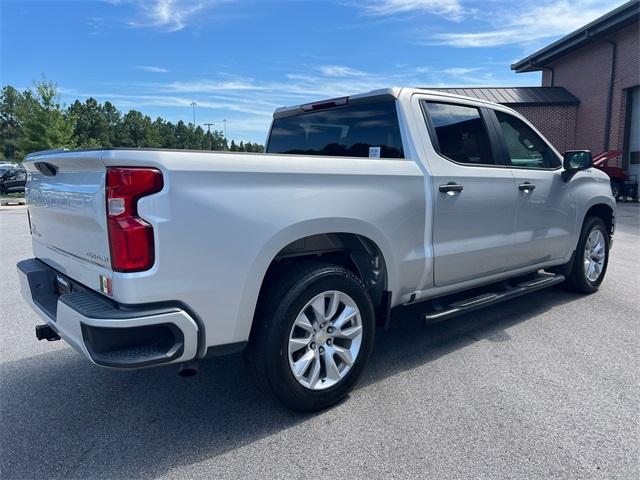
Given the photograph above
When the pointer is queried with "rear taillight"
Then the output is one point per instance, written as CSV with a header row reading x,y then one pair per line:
x,y
130,237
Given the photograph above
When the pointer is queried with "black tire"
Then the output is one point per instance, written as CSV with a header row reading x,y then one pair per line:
x,y
616,189
3,190
577,280
286,295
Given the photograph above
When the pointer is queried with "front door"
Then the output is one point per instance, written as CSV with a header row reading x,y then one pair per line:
x,y
546,214
475,198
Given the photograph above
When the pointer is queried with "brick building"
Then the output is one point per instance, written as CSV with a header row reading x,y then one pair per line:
x,y
590,93
600,65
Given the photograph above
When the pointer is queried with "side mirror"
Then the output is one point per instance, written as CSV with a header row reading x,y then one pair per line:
x,y
574,161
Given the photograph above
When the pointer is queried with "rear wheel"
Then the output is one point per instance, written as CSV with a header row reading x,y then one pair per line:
x,y
591,258
313,336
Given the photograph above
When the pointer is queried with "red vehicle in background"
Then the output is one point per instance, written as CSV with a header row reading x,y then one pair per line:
x,y
622,184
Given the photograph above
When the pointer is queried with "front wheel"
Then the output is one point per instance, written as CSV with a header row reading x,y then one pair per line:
x,y
313,336
591,257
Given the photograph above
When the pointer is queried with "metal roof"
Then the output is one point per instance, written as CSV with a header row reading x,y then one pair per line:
x,y
517,95
614,20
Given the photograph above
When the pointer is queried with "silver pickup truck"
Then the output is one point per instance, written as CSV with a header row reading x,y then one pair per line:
x,y
361,204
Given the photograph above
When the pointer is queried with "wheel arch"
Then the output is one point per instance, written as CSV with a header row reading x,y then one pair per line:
x,y
603,211
352,243
353,251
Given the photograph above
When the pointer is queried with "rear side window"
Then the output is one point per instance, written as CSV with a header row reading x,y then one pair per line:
x,y
526,148
355,130
460,133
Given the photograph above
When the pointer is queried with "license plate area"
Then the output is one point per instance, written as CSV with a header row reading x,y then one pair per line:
x,y
63,285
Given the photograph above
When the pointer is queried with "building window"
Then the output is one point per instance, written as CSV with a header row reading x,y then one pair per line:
x,y
632,147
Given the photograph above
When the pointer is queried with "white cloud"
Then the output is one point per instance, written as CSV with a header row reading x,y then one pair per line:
x,y
451,9
212,86
248,103
456,71
340,71
167,15
521,25
151,69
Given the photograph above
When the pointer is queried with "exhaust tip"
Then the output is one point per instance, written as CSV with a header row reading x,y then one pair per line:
x,y
45,332
188,369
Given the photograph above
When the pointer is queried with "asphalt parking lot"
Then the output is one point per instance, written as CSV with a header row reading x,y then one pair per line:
x,y
546,386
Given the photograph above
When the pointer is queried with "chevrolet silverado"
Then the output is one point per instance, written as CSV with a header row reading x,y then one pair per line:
x,y
360,204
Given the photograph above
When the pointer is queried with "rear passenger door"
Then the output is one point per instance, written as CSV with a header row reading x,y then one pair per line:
x,y
475,197
546,213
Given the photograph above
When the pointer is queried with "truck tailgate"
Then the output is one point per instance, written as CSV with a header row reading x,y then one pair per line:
x,y
66,199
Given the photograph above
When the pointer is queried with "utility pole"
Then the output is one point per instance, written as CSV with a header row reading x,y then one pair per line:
x,y
193,104
225,130
209,125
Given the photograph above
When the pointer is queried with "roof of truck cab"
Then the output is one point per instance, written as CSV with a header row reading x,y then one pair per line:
x,y
391,91
294,109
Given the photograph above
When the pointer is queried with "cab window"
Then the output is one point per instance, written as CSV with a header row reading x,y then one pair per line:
x,y
526,148
364,129
460,132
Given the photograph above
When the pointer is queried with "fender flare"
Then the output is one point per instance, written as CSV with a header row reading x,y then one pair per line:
x,y
284,237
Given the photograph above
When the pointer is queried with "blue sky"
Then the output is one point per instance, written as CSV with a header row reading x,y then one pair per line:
x,y
239,60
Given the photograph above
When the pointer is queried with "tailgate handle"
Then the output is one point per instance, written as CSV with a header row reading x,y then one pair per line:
x,y
47,169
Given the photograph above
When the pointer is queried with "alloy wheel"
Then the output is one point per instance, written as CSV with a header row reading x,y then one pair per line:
x,y
325,340
594,255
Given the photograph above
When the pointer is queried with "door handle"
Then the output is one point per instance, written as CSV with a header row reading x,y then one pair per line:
x,y
526,187
451,188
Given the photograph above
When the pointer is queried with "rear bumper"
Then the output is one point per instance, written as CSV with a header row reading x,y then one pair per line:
x,y
107,333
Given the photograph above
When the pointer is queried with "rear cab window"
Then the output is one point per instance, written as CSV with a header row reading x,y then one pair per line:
x,y
366,127
459,133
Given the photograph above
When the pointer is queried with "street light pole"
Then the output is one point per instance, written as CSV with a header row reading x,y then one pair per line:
x,y
193,104
209,125
225,130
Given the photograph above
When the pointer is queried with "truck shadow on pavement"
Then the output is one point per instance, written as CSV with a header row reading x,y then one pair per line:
x,y
62,417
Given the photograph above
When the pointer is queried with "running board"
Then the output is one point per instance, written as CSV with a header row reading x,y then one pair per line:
x,y
505,291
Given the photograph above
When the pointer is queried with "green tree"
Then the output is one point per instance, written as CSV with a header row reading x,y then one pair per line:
x,y
217,141
91,128
182,135
138,131
34,120
46,126
113,118
11,103
195,137
166,132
